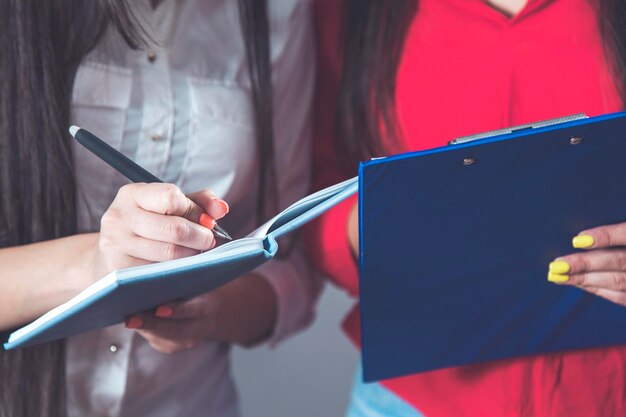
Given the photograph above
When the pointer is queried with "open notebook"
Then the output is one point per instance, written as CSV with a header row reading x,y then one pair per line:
x,y
127,291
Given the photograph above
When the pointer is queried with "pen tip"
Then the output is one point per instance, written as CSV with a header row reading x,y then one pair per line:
x,y
221,232
73,130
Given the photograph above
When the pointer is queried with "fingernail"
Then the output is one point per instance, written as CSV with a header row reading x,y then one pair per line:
x,y
207,221
583,241
559,267
224,206
163,311
134,323
558,278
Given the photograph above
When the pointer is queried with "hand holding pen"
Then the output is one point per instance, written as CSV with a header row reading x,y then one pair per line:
x,y
127,167
150,221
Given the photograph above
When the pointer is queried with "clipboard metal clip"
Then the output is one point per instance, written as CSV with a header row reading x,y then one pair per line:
x,y
470,138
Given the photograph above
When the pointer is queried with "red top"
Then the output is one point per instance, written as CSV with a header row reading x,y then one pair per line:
x,y
467,68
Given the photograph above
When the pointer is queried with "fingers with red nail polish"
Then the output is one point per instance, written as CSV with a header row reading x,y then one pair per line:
x,y
163,311
134,323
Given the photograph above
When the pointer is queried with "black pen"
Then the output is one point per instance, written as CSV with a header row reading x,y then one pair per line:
x,y
122,164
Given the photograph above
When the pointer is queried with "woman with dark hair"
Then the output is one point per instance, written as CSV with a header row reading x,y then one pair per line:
x,y
414,74
202,95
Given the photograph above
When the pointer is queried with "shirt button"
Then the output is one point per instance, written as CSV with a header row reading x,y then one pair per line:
x,y
152,56
155,137
113,348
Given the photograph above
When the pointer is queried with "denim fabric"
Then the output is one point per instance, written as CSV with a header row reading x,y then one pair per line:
x,y
374,400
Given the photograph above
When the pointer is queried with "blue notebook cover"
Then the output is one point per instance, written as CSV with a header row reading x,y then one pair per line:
x,y
454,255
122,293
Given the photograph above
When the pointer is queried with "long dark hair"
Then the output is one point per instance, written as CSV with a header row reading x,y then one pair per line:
x,y
372,37
41,46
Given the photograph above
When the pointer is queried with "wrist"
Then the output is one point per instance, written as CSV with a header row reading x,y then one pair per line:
x,y
82,272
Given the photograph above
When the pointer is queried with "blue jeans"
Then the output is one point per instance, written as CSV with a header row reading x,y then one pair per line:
x,y
374,400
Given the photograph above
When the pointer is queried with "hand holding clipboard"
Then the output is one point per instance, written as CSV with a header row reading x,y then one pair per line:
x,y
499,211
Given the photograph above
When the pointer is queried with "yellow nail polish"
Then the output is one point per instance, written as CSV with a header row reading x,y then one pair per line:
x,y
559,267
583,241
558,278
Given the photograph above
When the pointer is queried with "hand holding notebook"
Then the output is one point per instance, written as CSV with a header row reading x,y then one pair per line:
x,y
131,290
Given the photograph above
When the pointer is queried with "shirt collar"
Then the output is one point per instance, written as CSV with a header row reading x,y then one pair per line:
x,y
482,8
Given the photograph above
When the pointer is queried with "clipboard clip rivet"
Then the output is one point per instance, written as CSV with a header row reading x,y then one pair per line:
x,y
468,161
575,140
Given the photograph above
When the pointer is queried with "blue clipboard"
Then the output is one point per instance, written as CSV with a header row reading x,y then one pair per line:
x,y
455,244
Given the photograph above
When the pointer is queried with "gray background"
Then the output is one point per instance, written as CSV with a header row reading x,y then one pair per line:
x,y
308,375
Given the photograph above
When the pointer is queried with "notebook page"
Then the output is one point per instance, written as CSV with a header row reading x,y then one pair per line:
x,y
232,248
300,207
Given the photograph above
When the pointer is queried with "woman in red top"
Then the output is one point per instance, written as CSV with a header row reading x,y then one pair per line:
x,y
411,77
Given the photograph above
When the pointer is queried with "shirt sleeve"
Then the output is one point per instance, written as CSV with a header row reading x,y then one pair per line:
x,y
297,288
296,285
327,236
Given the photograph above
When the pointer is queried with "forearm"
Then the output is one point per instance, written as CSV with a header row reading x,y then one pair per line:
x,y
37,277
250,314
353,230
